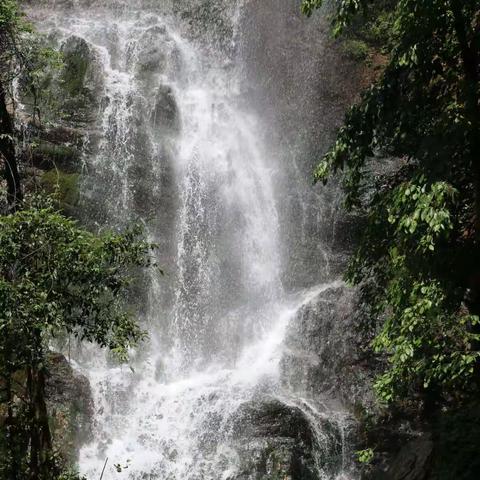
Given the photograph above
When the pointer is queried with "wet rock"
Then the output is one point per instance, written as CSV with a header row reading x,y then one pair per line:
x,y
64,186
271,459
63,135
78,74
164,116
155,53
152,56
273,441
54,147
80,80
70,404
272,418
54,158
47,156
323,344
413,462
217,15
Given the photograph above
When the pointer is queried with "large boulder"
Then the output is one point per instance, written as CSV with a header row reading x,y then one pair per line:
x,y
275,440
413,462
80,81
324,343
155,53
210,22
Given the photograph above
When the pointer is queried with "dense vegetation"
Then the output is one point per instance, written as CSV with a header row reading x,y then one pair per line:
x,y
57,280
10,26
409,152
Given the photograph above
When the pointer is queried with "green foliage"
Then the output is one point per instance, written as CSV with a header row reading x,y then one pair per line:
x,y
374,26
345,12
365,456
74,74
424,341
408,153
420,212
56,279
356,49
26,55
64,186
12,26
9,13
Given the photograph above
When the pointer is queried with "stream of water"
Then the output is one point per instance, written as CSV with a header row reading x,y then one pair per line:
x,y
179,147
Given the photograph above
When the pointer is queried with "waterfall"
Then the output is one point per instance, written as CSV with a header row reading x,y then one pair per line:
x,y
175,143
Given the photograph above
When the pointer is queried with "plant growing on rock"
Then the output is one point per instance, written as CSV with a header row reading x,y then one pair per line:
x,y
56,279
24,56
417,264
365,456
9,31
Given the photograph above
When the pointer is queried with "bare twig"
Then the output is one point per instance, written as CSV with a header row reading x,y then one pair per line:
x,y
103,470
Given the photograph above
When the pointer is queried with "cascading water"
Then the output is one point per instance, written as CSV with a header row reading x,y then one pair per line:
x,y
178,146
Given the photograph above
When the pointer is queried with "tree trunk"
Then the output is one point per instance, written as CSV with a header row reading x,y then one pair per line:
x,y
41,459
45,438
13,443
7,154
34,434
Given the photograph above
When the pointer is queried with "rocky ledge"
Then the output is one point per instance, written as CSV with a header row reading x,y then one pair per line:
x,y
70,403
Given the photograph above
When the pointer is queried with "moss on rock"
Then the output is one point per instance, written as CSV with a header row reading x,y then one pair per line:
x,y
74,73
64,186
80,81
48,156
78,60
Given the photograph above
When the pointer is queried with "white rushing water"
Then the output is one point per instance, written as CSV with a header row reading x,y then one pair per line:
x,y
217,335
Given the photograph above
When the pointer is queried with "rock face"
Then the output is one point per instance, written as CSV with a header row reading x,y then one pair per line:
x,y
60,130
70,405
274,441
165,115
81,80
413,462
322,344
303,85
69,87
449,449
56,153
54,156
209,22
